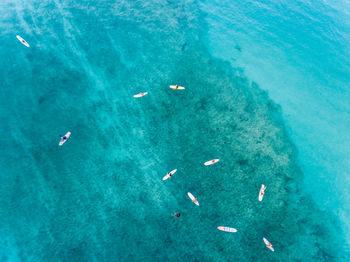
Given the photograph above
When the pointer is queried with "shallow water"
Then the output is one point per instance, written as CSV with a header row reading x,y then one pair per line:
x,y
299,52
101,197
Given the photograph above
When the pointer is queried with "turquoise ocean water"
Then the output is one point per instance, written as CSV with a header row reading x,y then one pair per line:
x,y
101,197
299,52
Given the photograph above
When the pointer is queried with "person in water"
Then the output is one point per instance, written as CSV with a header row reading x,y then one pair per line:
x,y
176,215
64,138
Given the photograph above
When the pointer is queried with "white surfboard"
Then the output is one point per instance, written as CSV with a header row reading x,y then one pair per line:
x,y
168,175
141,94
262,192
64,140
211,162
177,87
227,229
268,244
22,40
194,200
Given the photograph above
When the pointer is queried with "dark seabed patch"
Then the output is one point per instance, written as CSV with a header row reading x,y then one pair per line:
x,y
238,48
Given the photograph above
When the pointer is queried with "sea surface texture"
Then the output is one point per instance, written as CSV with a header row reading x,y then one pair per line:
x,y
100,197
299,51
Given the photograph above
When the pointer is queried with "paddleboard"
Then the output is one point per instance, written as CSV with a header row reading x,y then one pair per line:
x,y
168,175
268,244
194,200
65,140
177,87
211,162
227,229
22,40
141,94
262,192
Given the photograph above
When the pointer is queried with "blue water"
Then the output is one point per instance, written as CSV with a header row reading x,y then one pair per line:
x,y
299,51
101,197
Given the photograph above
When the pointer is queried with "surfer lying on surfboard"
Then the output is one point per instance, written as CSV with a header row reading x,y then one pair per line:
x,y
141,94
211,162
262,192
168,175
64,138
194,199
175,87
268,244
24,42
